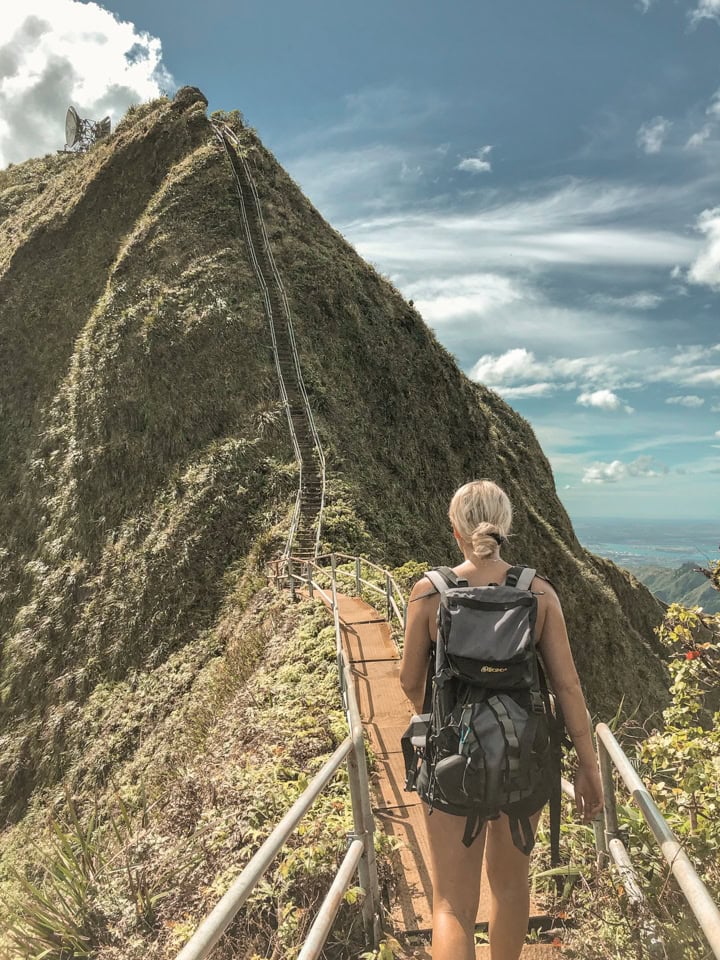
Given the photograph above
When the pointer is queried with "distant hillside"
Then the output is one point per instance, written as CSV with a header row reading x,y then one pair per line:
x,y
145,465
680,585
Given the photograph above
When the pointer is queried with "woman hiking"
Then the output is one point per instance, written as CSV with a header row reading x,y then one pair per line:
x,y
481,515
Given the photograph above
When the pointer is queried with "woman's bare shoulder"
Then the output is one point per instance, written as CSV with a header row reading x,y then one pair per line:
x,y
423,588
547,595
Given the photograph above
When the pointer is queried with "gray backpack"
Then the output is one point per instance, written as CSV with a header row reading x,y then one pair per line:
x,y
490,740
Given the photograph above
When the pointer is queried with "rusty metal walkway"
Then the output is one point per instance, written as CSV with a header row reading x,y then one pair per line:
x,y
385,713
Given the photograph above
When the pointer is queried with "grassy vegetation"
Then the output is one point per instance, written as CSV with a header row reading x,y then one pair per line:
x,y
129,870
684,584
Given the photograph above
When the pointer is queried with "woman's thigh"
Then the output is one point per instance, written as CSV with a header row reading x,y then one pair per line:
x,y
455,868
507,867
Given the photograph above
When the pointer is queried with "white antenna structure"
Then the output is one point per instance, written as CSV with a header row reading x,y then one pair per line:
x,y
81,134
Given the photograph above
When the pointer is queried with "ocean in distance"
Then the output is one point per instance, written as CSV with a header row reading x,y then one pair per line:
x,y
661,543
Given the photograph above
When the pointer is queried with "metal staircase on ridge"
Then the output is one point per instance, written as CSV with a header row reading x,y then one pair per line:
x,y
304,537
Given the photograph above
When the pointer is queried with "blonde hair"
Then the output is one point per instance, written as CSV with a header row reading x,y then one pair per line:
x,y
480,511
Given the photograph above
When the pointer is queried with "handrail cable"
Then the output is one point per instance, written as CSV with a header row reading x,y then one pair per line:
x,y
693,889
232,137
268,310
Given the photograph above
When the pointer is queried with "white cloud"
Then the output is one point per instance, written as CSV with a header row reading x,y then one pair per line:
x,y
603,400
529,390
441,299
479,164
688,400
706,10
651,135
517,364
617,470
698,138
705,269
54,53
690,365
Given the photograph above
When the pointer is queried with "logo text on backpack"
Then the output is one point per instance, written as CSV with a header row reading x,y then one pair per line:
x,y
493,669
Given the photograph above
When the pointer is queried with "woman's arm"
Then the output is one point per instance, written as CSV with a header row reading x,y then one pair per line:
x,y
416,648
557,656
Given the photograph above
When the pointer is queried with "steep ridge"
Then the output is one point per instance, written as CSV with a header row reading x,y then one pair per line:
x,y
147,467
304,537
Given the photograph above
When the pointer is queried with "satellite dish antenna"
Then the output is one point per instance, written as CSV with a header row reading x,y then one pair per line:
x,y
102,128
72,127
81,134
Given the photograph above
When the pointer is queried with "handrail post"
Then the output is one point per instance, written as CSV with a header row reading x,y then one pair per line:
x,y
609,803
291,578
368,907
358,587
362,813
388,592
333,565
308,570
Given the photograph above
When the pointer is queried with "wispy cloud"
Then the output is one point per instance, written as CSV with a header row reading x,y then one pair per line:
x,y
642,300
479,164
687,400
699,137
381,110
651,135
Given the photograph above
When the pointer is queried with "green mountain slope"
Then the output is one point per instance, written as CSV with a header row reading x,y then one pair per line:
x,y
680,585
145,467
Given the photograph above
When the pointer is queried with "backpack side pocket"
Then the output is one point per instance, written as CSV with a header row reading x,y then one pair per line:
x,y
414,743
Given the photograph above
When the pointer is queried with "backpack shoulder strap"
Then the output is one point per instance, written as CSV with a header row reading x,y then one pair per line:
x,y
520,577
442,579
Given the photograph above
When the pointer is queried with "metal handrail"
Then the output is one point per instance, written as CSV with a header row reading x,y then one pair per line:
x,y
224,134
391,586
360,855
694,890
218,920
230,134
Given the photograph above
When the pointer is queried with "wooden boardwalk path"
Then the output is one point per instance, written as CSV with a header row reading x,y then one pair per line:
x,y
385,713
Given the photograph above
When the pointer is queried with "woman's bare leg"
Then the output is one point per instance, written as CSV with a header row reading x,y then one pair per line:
x,y
456,873
507,873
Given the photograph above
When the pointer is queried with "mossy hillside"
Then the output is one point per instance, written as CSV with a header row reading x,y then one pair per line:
x,y
55,255
154,467
155,460
201,794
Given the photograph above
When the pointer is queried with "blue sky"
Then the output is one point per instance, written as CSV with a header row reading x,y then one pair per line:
x,y
542,180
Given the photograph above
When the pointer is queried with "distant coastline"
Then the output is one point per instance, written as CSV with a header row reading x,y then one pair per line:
x,y
634,543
